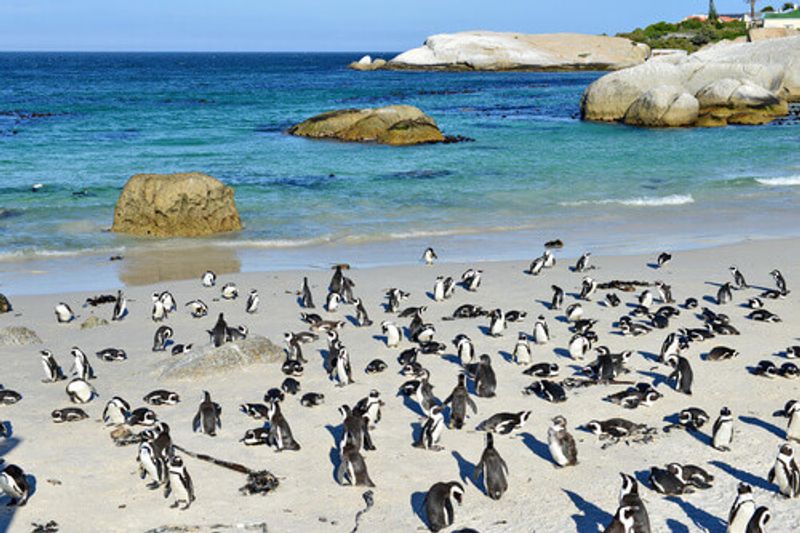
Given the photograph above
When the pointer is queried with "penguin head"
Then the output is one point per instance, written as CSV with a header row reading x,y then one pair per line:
x,y
462,379
457,492
57,416
594,427
559,422
744,488
786,451
176,461
725,412
791,407
629,485
523,417
676,469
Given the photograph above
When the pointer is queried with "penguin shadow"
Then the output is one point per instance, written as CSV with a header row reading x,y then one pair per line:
x,y
451,358
562,352
324,355
413,406
676,527
592,517
743,476
380,338
486,330
416,431
418,505
562,319
574,295
643,477
538,447
649,356
544,303
465,471
710,299
658,379
429,295
336,434
699,436
703,520
763,424
353,320
654,266
508,357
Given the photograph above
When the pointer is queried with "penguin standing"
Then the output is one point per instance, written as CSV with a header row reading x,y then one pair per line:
x,y
352,468
120,307
116,411
209,279
340,370
429,256
623,521
779,281
370,408
558,298
785,473
361,314
494,470
151,464
588,288
471,279
724,294
758,523
541,333
466,350
522,350
14,484
792,411
159,312
251,307
306,300
485,379
80,391
393,334
583,262
180,483
432,430
439,508
629,497
161,338
562,445
738,278
219,333
722,435
52,371
742,509
579,346
64,314
497,324
332,302
209,416
459,400
280,434
682,374
80,365
356,429
438,289
168,301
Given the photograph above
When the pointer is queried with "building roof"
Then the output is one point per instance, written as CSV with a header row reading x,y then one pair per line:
x,y
785,15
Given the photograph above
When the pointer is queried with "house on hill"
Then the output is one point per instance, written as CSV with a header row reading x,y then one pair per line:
x,y
785,19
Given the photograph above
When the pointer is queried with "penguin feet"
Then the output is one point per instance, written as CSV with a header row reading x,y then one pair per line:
x,y
153,486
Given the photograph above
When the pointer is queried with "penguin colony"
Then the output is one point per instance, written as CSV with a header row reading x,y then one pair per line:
x,y
408,335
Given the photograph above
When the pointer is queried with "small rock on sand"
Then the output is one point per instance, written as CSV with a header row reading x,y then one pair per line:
x,y
93,322
230,356
18,336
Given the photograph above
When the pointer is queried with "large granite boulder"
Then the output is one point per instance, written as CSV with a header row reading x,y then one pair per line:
x,y
237,355
396,125
366,63
5,305
761,77
18,336
663,106
175,205
485,50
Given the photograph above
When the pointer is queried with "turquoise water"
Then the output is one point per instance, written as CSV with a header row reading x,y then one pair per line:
x,y
84,123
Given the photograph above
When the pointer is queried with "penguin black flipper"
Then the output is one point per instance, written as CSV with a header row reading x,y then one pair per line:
x,y
471,403
196,422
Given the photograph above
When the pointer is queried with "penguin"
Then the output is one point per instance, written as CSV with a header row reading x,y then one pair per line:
x,y
180,349
251,307
721,353
522,350
722,434
458,400
9,397
80,391
665,482
431,430
280,434
537,265
663,259
395,297
646,298
151,464
664,292
793,352
471,279
738,278
623,521
52,371
142,416
691,475
588,288
693,418
332,302
209,279
547,390
306,300
356,429
422,391
785,473
219,333
393,334
257,411
615,428
439,500
485,379
14,483
64,314
574,312
80,365
112,354
340,370
116,411
762,315
504,423
561,443
558,298
724,294
449,287
612,300
765,368
497,324
68,414
629,497
168,301
179,483
742,509
290,386
120,308
542,370
312,399
208,418
361,314
670,347
779,281
256,437
792,411
159,312
376,366
438,289
582,264
429,256
161,338
755,303
758,522
465,349
352,468
789,370
162,397
198,308
579,346
493,469
682,374
370,408
541,332
229,291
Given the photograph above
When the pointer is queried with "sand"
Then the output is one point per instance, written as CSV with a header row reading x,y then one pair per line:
x,y
85,483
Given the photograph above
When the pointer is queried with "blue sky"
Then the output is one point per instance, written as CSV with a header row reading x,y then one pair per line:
x,y
310,25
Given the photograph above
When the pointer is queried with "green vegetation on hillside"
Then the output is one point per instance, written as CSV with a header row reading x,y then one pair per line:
x,y
688,35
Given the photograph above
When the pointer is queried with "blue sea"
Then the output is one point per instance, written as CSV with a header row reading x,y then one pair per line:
x,y
82,124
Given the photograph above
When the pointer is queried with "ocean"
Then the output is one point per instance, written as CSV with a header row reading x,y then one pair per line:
x,y
82,124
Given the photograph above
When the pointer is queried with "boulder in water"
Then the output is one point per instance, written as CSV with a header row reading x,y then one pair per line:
x,y
175,205
663,106
235,355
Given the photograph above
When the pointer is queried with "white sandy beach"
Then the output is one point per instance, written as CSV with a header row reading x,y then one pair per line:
x,y
86,483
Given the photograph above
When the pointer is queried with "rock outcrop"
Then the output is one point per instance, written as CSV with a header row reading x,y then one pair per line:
x,y
230,356
485,50
5,305
94,322
366,63
175,205
18,336
398,125
744,83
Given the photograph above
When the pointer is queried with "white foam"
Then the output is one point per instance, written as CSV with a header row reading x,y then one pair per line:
x,y
779,182
642,201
